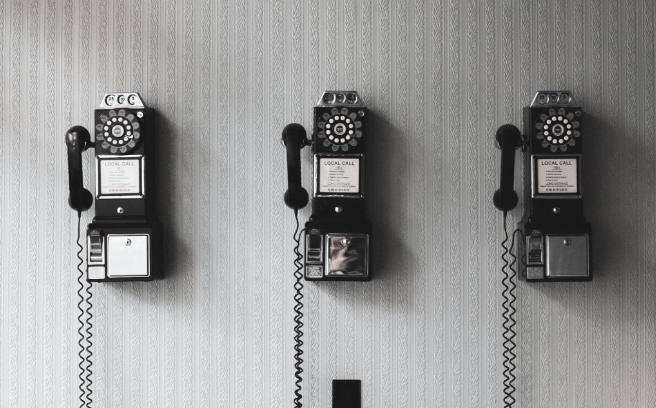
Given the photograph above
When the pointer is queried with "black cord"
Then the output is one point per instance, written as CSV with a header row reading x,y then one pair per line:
x,y
523,258
509,321
85,332
298,315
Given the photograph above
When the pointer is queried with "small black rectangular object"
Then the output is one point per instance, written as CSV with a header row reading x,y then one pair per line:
x,y
347,394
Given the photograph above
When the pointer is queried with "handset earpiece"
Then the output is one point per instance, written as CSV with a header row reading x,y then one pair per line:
x,y
294,138
77,141
508,139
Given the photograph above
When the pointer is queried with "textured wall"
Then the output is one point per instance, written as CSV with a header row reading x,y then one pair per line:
x,y
225,77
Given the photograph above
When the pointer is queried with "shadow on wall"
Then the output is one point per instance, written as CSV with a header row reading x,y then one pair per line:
x,y
165,157
383,199
598,193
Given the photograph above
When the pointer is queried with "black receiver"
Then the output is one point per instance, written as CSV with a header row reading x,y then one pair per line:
x,y
77,141
293,137
508,139
123,240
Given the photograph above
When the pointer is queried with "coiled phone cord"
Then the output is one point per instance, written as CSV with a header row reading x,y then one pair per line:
x,y
508,314
298,314
84,330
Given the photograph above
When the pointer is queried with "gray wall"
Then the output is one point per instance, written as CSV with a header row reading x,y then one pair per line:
x,y
225,77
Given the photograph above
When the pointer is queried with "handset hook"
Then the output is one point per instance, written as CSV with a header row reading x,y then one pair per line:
x,y
77,141
294,138
508,139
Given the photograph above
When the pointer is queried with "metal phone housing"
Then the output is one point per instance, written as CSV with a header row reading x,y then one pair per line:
x,y
338,235
557,236
124,238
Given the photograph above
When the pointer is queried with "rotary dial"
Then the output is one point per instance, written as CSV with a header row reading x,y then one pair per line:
x,y
118,132
340,128
557,130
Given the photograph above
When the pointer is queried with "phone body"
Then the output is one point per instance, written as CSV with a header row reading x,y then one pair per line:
x,y
124,238
557,237
338,236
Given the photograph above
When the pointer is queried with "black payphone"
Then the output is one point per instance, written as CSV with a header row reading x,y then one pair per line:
x,y
338,235
555,236
123,241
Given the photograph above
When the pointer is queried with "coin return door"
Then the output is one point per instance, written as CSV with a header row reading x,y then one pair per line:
x,y
557,257
119,256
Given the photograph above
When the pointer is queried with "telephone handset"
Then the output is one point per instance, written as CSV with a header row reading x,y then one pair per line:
x,y
508,140
557,238
338,235
123,240
77,141
293,137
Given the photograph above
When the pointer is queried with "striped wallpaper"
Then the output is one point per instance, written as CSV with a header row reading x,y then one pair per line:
x,y
224,78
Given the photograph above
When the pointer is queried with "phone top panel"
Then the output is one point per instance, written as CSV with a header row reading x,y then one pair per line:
x,y
340,98
131,100
552,99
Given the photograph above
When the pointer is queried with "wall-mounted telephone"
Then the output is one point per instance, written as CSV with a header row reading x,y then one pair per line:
x,y
557,238
338,235
123,241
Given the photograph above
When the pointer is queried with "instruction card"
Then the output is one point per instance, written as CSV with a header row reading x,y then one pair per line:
x,y
339,175
120,176
557,176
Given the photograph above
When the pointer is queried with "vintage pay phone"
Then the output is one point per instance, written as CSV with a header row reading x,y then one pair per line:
x,y
123,241
338,235
557,237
